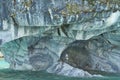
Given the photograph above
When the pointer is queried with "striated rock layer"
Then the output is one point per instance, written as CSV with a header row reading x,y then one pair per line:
x,y
49,34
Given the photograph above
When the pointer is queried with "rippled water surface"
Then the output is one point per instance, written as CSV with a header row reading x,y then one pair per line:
x,y
7,74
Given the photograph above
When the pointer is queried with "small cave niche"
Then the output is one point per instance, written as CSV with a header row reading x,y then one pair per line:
x,y
77,55
40,57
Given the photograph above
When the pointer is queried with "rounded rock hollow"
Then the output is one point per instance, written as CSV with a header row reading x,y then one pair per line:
x,y
77,56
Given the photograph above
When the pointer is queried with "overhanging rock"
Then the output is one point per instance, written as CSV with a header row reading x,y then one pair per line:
x,y
34,33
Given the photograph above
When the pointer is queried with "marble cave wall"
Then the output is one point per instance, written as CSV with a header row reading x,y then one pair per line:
x,y
36,34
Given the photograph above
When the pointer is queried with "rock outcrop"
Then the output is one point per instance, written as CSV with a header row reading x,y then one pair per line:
x,y
37,34
62,68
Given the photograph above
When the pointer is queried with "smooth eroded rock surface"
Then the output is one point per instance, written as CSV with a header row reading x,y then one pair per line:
x,y
84,34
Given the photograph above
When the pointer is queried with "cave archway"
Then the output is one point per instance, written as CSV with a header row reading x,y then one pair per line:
x,y
77,55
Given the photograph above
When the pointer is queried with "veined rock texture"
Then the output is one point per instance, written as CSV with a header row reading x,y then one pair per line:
x,y
37,34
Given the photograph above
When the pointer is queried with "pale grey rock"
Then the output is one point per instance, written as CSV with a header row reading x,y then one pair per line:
x,y
62,68
29,17
34,33
102,55
52,13
105,55
32,53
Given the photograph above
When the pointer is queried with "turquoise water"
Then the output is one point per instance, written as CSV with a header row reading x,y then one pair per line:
x,y
3,64
7,74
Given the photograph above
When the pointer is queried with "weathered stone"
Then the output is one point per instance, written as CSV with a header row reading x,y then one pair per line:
x,y
35,33
93,19
77,55
62,68
52,13
33,51
96,54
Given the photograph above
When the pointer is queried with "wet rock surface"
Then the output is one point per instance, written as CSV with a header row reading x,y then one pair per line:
x,y
98,55
77,55
62,68
84,34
